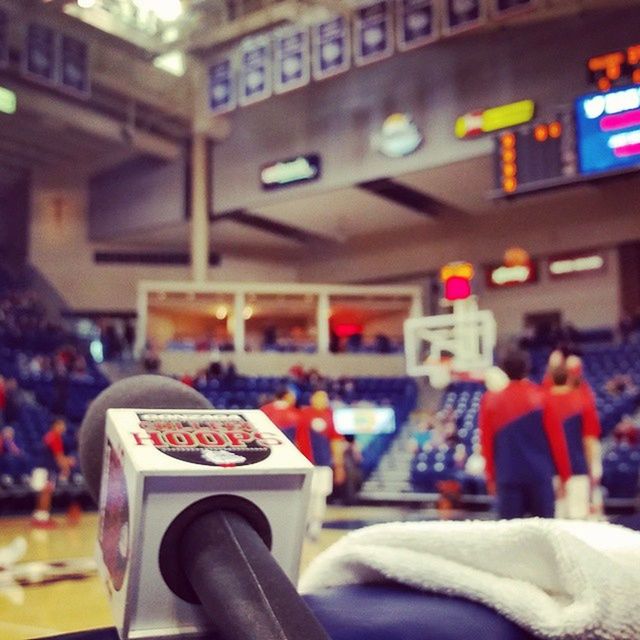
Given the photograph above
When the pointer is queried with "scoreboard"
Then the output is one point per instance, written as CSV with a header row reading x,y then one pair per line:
x,y
535,156
599,137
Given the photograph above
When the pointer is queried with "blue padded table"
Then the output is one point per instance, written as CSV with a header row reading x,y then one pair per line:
x,y
389,612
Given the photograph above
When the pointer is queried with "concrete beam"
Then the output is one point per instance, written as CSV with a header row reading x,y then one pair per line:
x,y
269,16
92,123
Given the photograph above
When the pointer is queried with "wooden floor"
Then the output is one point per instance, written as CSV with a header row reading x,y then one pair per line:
x,y
75,603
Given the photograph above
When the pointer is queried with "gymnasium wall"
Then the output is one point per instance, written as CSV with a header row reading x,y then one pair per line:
x,y
586,300
596,216
143,193
60,249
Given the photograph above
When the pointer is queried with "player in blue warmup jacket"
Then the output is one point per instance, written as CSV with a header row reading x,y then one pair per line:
x,y
523,443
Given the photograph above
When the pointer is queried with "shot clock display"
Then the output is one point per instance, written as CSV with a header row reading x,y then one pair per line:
x,y
534,157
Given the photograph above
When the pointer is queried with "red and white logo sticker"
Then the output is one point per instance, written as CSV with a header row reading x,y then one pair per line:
x,y
220,440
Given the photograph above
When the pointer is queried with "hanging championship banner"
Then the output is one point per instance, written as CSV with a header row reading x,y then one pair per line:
x,y
255,70
74,65
460,15
331,43
415,23
39,60
222,89
291,59
502,8
4,38
372,33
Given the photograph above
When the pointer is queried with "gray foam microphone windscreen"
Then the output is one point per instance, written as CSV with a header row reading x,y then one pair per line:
x,y
136,392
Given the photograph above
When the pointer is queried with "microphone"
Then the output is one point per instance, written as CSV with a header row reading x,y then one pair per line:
x,y
202,515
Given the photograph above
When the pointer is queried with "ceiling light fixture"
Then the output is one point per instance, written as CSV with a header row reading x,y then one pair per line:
x,y
165,10
173,62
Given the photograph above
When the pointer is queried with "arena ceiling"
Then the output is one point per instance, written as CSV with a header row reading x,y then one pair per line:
x,y
129,94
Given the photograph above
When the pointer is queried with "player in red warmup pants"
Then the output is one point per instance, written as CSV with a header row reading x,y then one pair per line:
x,y
523,444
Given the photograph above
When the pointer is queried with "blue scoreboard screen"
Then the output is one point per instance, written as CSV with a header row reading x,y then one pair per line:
x,y
608,130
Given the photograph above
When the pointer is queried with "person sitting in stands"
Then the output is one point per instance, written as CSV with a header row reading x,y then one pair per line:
x,y
8,444
620,384
627,431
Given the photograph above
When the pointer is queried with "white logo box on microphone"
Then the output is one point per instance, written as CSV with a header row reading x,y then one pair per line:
x,y
159,463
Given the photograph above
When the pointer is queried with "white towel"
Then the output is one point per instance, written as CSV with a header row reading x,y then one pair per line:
x,y
558,579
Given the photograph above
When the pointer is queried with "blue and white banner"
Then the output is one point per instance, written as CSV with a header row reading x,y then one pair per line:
x,y
222,86
372,32
331,43
460,15
40,53
74,65
507,7
416,23
291,59
4,38
255,81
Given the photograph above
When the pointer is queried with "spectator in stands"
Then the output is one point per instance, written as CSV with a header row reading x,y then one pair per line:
x,y
297,373
627,431
282,411
353,471
626,327
8,444
444,429
269,338
13,399
3,400
581,426
230,375
57,465
129,336
214,370
187,379
151,359
422,431
620,384
523,444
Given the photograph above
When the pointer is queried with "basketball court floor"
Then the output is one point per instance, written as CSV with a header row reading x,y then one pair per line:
x,y
54,589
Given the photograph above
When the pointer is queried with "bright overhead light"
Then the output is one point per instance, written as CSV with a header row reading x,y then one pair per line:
x,y
86,4
221,312
173,62
165,10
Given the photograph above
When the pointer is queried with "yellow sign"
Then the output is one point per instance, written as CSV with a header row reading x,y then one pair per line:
x,y
502,117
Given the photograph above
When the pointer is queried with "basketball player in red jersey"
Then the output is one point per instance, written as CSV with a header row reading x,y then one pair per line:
x,y
523,444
